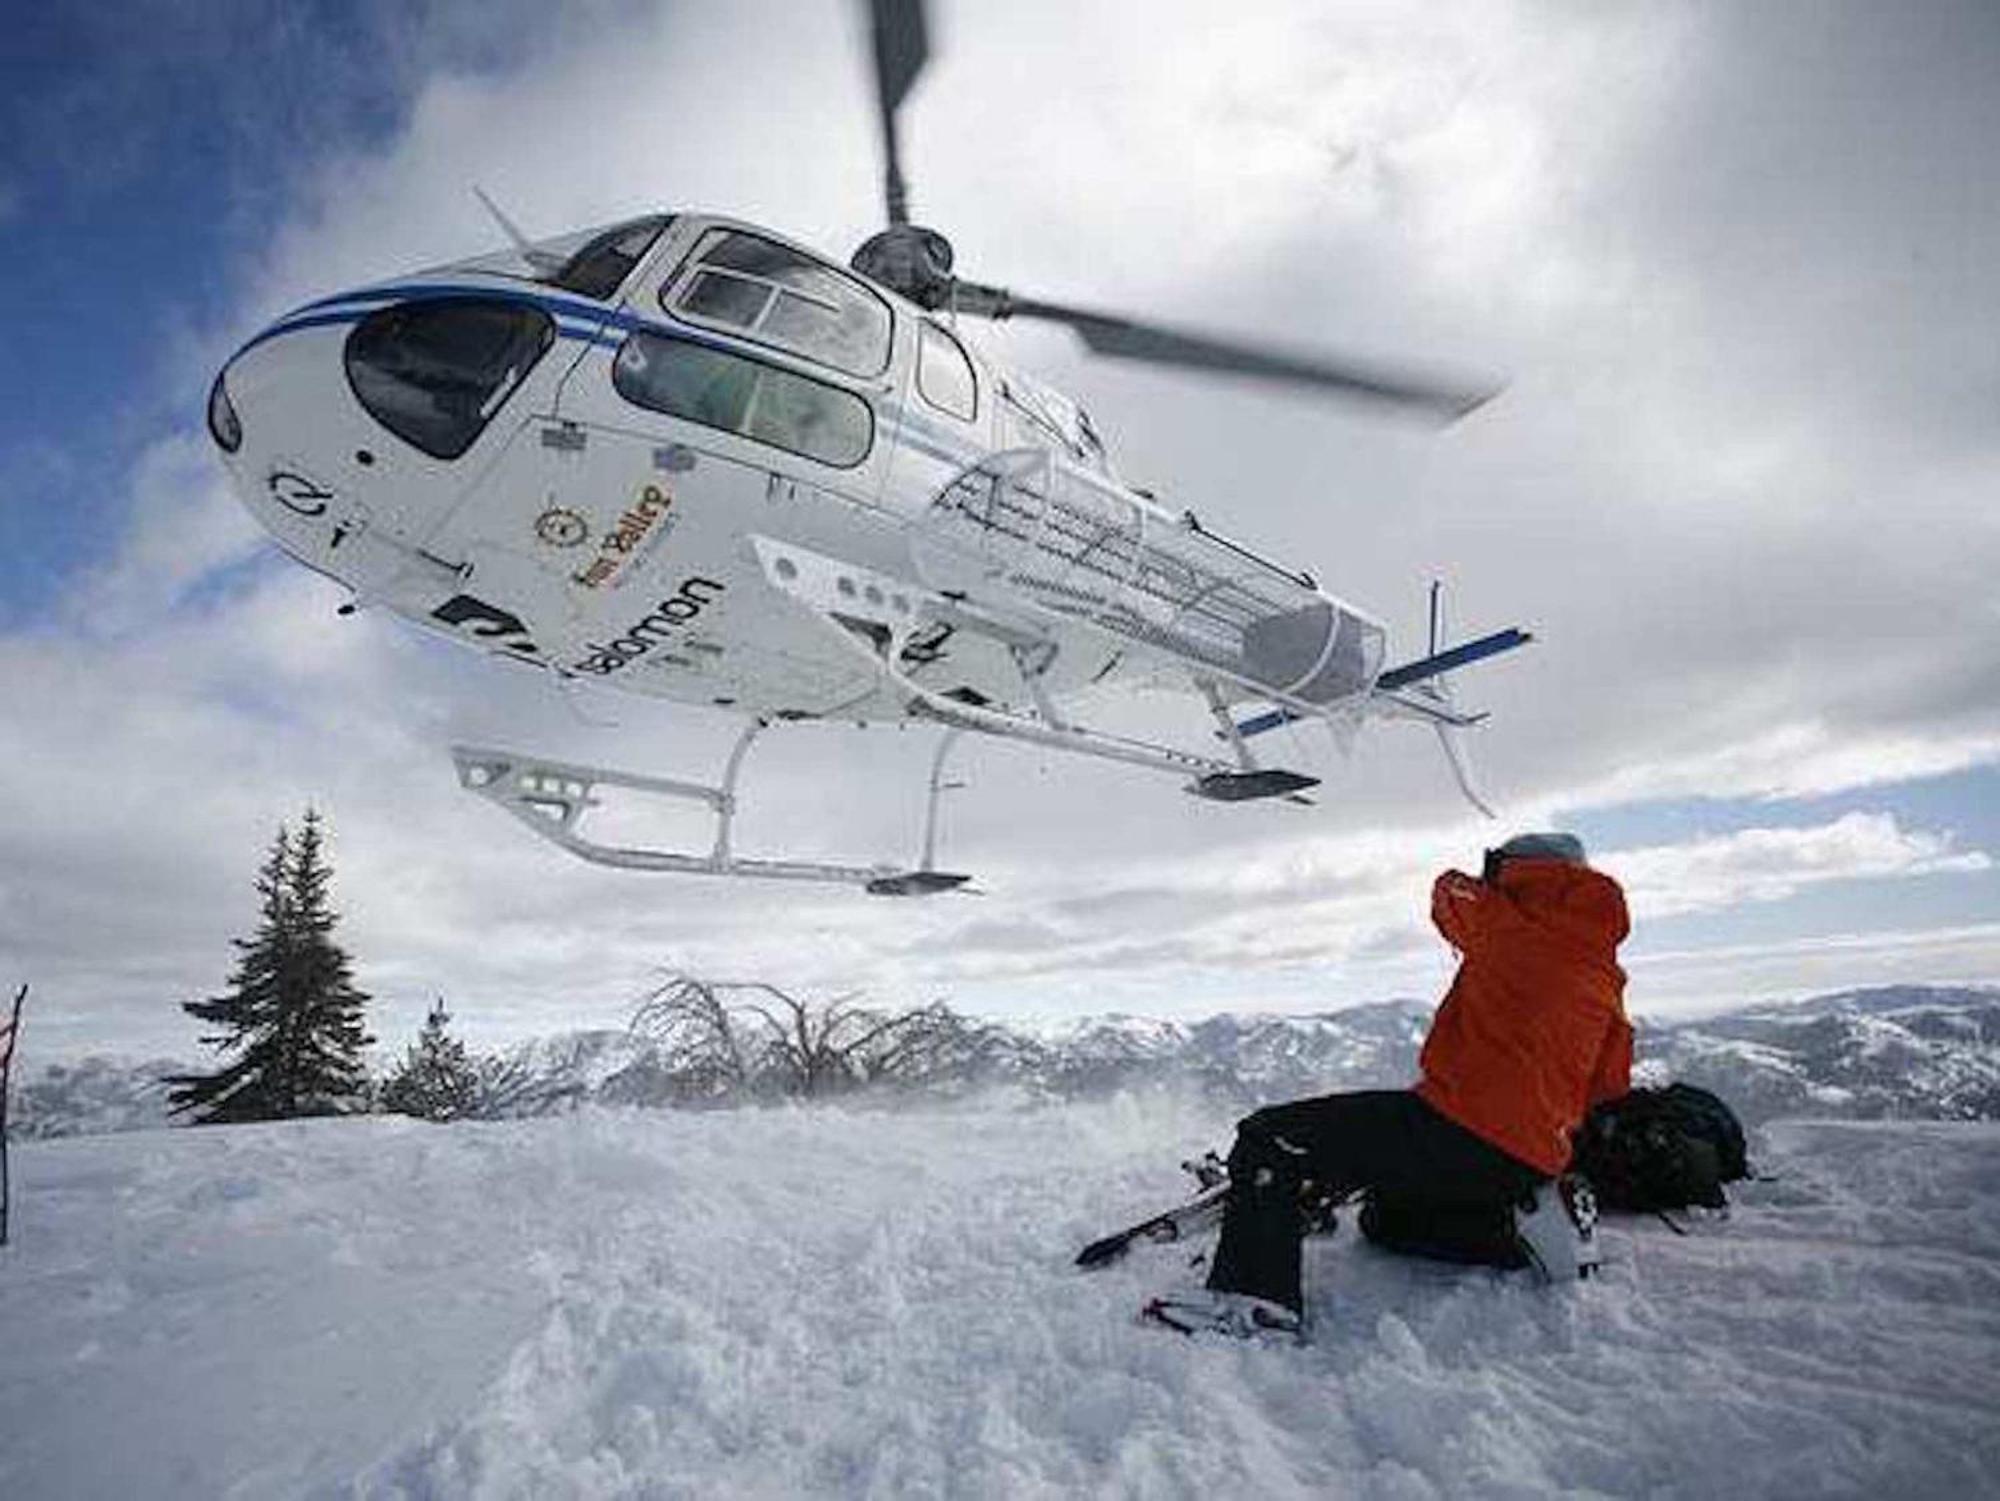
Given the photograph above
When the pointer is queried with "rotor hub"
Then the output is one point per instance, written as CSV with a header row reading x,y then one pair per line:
x,y
908,259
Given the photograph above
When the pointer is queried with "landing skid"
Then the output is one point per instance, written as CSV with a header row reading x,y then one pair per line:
x,y
554,797
1248,786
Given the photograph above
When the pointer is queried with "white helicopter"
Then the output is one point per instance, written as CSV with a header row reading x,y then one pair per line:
x,y
688,457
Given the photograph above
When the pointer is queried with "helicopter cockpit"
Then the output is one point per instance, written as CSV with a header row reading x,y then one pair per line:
x,y
433,370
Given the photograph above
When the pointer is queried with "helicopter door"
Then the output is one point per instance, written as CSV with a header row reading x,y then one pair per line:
x,y
623,523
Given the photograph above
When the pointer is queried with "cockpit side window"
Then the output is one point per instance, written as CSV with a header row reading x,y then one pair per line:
x,y
944,374
767,292
599,268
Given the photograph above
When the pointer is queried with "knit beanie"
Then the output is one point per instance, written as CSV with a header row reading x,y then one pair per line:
x,y
1550,846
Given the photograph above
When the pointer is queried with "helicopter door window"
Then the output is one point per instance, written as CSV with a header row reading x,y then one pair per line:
x,y
782,297
747,397
944,374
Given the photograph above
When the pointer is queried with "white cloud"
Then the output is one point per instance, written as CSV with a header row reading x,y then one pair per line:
x,y
1360,901
185,527
1799,760
1772,864
1691,982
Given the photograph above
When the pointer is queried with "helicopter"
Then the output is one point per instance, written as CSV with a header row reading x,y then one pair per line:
x,y
689,457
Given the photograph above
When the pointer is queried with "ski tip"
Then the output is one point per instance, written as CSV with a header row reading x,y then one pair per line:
x,y
1101,1252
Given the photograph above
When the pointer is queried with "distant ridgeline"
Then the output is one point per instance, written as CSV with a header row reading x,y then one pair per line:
x,y
1900,1052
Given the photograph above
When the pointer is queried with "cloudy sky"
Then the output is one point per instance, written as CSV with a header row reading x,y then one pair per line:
x,y
1739,265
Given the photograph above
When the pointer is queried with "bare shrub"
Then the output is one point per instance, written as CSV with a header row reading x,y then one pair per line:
x,y
720,1040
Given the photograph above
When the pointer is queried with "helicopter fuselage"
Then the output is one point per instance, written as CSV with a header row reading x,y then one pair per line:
x,y
571,478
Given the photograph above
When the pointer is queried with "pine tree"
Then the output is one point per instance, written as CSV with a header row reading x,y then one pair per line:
x,y
325,1073
292,1013
436,1081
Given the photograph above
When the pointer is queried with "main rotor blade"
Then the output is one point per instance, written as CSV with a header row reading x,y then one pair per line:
x,y
902,45
1125,338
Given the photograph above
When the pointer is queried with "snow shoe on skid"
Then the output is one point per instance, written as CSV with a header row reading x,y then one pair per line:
x,y
1207,1311
1557,1229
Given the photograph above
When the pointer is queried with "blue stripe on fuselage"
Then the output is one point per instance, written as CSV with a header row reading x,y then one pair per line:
x,y
567,313
590,323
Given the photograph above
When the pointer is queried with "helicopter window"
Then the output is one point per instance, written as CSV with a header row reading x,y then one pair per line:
x,y
782,297
727,299
944,374
600,267
435,372
757,401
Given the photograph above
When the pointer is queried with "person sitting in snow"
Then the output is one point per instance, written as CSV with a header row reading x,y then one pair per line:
x,y
1531,1034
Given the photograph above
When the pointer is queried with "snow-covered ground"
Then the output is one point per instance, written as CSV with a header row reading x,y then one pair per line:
x,y
853,1302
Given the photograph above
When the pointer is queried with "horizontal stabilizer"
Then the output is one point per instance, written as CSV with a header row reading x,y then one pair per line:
x,y
1459,656
1266,721
1420,671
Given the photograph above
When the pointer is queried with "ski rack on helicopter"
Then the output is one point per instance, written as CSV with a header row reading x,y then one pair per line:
x,y
1024,548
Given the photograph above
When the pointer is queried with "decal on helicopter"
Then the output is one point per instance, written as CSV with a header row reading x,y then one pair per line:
x,y
656,628
559,526
487,622
643,527
297,493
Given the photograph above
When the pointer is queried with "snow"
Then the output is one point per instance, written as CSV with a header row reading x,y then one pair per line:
x,y
856,1302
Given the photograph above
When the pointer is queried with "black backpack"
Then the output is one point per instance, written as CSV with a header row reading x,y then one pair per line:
x,y
1656,1149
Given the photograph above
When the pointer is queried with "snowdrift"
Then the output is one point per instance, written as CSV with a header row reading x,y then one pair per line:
x,y
847,1302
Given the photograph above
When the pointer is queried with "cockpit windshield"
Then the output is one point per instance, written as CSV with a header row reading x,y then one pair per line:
x,y
590,262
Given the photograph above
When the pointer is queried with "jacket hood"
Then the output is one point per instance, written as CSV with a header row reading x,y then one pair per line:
x,y
1585,907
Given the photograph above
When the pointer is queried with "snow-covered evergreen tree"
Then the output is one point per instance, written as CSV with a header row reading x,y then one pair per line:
x,y
292,1014
436,1080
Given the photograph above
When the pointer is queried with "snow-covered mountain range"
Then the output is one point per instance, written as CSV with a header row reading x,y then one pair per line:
x,y
1902,1052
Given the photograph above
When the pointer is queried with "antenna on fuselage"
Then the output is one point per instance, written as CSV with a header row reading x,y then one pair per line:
x,y
541,260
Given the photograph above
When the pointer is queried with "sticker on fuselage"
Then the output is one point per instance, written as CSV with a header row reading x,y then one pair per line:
x,y
298,493
559,526
502,629
643,526
656,629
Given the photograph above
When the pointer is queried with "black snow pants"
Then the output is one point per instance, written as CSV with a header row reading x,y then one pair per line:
x,y
1386,1138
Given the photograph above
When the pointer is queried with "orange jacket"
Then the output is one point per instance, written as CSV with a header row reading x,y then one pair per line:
x,y
1532,1032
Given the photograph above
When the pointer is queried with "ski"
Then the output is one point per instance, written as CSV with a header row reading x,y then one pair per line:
x,y
1191,1218
1317,1208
